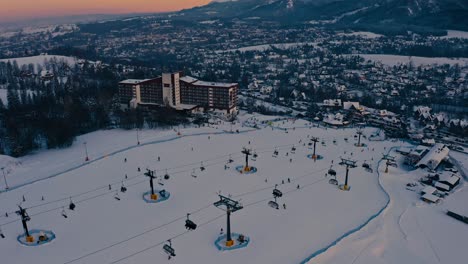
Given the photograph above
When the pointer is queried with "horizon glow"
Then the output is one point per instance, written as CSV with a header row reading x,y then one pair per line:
x,y
15,10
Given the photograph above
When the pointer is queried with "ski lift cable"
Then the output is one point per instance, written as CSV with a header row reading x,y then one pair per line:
x,y
137,176
205,223
160,243
183,217
103,194
239,195
89,198
104,187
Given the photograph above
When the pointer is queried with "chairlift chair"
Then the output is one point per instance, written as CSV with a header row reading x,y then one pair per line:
x,y
275,153
71,206
169,250
193,173
293,149
116,196
123,189
1,234
189,224
333,181
160,182
273,204
166,176
202,168
331,171
64,214
276,192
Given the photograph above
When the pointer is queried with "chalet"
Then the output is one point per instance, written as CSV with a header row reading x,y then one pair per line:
x,y
434,157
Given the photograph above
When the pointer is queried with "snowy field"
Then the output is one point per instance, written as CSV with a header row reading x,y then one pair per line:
x,y
393,60
455,34
266,47
104,230
40,59
409,230
363,34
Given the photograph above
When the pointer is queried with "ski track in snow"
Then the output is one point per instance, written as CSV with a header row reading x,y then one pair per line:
x,y
360,227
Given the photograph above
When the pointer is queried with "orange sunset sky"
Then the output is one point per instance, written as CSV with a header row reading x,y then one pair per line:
x,y
22,9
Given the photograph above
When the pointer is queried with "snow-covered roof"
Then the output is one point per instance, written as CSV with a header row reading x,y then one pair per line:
x,y
450,179
435,155
197,82
430,197
442,186
348,105
429,189
133,81
188,79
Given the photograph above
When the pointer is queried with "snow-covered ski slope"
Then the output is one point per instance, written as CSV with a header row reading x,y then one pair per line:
x,y
104,230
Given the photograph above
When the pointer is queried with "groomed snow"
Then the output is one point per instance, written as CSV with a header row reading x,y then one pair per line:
x,y
104,230
455,34
393,60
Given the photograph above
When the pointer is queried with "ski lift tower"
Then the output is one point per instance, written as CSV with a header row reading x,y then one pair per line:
x,y
247,152
315,140
230,206
150,174
25,219
349,164
389,161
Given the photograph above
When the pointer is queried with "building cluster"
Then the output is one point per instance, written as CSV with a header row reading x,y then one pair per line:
x,y
179,92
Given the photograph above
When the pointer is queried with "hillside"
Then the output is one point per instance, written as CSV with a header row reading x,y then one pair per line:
x,y
442,14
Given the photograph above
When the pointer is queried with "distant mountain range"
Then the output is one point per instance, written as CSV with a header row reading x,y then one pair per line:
x,y
442,14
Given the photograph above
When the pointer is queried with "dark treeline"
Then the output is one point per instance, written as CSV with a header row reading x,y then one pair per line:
x,y
48,105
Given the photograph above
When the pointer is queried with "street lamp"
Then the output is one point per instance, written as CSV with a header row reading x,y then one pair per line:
x,y
138,137
4,177
86,151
